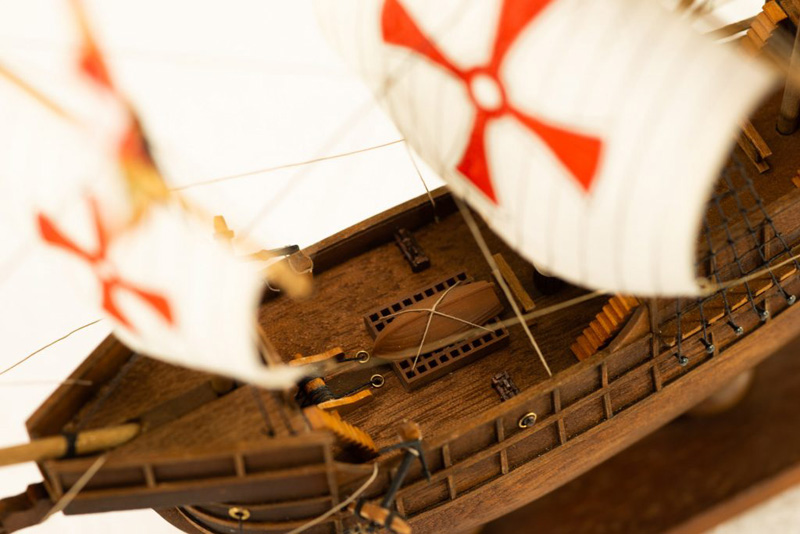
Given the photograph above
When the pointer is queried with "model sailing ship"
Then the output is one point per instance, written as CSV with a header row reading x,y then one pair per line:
x,y
427,370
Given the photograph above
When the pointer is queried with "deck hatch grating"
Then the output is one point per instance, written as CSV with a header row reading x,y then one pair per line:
x,y
437,363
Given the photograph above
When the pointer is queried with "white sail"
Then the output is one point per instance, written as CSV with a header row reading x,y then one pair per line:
x,y
157,275
170,291
588,134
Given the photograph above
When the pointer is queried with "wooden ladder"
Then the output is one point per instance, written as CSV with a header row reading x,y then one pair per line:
x,y
762,27
604,326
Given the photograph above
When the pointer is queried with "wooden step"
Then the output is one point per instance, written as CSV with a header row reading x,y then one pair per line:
x,y
604,326
762,28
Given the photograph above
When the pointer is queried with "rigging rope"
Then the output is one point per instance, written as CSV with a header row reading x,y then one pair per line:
x,y
476,233
284,166
433,311
422,179
356,494
40,349
73,491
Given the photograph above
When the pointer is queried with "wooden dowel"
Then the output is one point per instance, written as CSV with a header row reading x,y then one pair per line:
x,y
790,105
524,299
86,442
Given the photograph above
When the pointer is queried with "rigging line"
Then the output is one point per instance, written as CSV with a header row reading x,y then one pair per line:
x,y
422,179
513,321
356,494
40,349
351,121
356,117
109,389
66,382
76,488
709,288
282,167
263,409
476,233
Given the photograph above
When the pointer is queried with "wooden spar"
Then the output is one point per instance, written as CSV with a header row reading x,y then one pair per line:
x,y
59,446
34,93
790,105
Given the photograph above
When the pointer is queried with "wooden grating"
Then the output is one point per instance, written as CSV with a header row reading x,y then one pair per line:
x,y
435,364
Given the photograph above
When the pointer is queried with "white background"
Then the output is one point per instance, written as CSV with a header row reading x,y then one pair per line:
x,y
224,88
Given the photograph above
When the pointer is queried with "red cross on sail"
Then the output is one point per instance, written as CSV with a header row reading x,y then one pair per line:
x,y
110,283
579,153
132,146
586,134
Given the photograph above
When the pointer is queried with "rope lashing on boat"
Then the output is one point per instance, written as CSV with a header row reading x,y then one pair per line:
x,y
71,438
318,392
431,312
342,505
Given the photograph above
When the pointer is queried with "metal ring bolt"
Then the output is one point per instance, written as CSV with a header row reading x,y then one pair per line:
x,y
527,420
240,514
377,381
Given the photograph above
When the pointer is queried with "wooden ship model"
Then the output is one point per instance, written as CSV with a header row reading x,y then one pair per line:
x,y
423,405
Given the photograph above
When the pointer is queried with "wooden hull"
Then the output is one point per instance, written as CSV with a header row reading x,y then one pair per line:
x,y
200,468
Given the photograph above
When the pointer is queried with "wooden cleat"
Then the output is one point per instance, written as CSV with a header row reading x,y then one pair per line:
x,y
335,353
345,405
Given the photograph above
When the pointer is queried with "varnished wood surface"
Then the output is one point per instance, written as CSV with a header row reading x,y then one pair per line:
x,y
688,476
373,274
346,292
334,317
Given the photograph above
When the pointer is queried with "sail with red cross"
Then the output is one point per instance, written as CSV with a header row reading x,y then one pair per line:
x,y
168,289
587,134
153,271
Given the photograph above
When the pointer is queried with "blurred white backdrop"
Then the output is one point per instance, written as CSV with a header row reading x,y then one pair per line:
x,y
224,88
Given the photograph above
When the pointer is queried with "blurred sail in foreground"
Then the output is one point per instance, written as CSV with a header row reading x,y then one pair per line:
x,y
170,291
587,134
85,187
